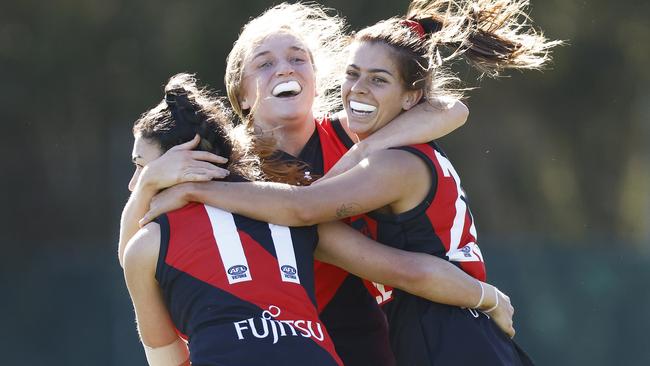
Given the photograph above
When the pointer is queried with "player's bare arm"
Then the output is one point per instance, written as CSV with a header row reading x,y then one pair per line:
x,y
423,123
283,204
420,274
154,323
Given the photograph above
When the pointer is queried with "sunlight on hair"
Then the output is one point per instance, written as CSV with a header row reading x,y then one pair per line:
x,y
319,28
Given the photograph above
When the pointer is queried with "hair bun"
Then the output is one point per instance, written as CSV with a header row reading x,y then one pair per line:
x,y
181,107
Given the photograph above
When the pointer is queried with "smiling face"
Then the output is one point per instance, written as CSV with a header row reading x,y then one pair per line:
x,y
373,91
144,151
278,83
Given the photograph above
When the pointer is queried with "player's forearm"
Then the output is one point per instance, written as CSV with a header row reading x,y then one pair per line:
x,y
440,281
420,274
279,204
133,211
420,124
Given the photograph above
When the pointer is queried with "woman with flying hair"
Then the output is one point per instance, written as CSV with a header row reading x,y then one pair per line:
x,y
276,93
277,72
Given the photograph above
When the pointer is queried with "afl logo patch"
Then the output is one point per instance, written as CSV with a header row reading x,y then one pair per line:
x,y
238,271
466,251
289,271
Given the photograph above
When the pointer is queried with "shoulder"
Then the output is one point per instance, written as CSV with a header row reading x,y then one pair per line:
x,y
408,173
141,253
395,160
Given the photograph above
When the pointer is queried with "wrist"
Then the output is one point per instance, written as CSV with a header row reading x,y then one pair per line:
x,y
190,192
489,301
145,183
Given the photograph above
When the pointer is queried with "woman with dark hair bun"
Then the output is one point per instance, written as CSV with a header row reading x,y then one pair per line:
x,y
206,273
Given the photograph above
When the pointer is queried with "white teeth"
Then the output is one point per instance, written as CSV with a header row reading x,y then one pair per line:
x,y
288,86
362,107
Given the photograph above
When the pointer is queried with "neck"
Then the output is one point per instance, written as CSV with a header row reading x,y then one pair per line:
x,y
291,136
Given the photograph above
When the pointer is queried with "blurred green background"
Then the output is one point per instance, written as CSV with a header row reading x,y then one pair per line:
x,y
556,163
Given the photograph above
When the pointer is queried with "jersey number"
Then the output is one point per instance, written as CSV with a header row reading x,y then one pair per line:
x,y
471,251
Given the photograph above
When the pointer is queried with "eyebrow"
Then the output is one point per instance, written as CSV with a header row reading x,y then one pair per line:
x,y
293,48
372,71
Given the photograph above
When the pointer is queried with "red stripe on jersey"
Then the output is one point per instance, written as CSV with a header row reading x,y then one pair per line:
x,y
333,148
331,277
328,278
442,212
193,250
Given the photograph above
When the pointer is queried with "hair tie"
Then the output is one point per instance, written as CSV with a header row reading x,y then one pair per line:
x,y
182,110
415,27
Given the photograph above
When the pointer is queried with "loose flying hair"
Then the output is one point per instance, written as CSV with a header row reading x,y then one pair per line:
x,y
492,35
322,31
188,110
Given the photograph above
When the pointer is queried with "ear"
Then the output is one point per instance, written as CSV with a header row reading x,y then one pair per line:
x,y
244,105
411,98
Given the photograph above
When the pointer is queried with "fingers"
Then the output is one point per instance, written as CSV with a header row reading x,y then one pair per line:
x,y
146,219
206,156
193,143
203,174
205,165
150,215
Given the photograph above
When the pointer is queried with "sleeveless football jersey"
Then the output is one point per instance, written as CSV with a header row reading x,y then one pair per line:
x,y
241,289
441,224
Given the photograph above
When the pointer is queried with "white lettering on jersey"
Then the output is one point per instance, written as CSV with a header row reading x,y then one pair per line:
x,y
384,294
267,326
470,252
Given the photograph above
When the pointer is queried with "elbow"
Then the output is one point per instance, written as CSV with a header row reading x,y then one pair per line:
x,y
416,276
303,214
461,113
407,274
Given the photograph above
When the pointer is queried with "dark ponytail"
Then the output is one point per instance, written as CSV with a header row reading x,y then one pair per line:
x,y
492,35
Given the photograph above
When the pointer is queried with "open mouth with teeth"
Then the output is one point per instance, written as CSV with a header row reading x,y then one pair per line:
x,y
287,89
361,109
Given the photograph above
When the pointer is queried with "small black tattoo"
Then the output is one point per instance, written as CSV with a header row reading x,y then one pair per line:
x,y
346,210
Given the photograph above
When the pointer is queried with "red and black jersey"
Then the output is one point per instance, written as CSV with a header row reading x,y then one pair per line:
x,y
356,324
241,289
442,223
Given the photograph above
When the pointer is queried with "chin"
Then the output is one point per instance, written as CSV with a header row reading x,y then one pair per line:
x,y
357,128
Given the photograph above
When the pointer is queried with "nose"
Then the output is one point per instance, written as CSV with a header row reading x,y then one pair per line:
x,y
359,87
284,68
